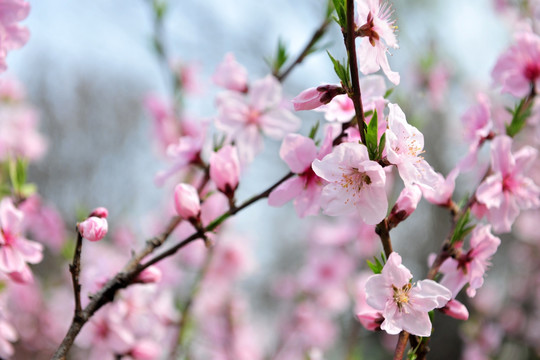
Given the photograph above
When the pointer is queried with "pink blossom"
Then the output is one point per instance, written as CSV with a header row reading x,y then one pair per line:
x,y
94,228
15,250
299,152
370,318
377,32
8,335
356,184
507,189
476,121
470,267
244,118
225,169
166,126
43,222
404,146
519,67
230,74
186,201
405,205
404,306
441,194
146,350
12,35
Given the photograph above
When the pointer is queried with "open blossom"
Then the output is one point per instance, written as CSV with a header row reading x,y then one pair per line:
x,y
356,185
15,250
441,193
12,35
377,32
404,305
299,152
404,146
245,117
470,267
508,190
477,122
519,66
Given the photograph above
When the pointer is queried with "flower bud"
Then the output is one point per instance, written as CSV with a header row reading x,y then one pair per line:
x,y
405,205
94,228
225,169
151,274
100,212
312,98
455,309
186,201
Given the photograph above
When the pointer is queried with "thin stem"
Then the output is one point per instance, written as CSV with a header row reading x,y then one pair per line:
x,y
75,270
401,345
356,96
133,267
306,51
384,233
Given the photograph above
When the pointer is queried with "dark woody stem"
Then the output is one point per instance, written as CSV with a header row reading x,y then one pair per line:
x,y
355,93
75,270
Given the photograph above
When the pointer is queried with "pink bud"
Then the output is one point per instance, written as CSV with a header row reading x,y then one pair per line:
x,y
146,350
151,274
186,201
94,228
225,169
455,309
100,212
405,205
312,98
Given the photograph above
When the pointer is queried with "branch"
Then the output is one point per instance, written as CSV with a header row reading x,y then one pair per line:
x,y
401,345
133,267
356,96
75,270
307,49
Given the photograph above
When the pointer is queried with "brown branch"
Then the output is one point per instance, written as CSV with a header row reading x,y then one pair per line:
x,y
384,233
307,50
75,270
126,276
356,95
401,345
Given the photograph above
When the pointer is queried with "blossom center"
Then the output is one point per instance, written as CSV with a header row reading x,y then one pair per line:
x,y
532,71
253,116
7,238
401,295
355,180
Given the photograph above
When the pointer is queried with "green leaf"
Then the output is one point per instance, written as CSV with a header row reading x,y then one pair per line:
x,y
388,92
378,265
281,55
341,71
28,190
462,227
519,117
314,130
341,12
17,173
382,144
160,9
371,136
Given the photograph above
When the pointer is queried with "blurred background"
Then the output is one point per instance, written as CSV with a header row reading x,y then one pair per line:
x,y
89,65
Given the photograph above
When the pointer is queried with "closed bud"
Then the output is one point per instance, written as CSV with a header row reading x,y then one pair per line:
x,y
312,98
100,212
186,201
405,205
151,274
455,309
94,228
225,169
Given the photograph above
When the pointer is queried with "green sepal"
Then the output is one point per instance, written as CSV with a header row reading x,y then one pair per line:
x,y
382,144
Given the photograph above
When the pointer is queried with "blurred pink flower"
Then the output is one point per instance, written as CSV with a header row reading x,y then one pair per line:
x,y
377,31
245,117
519,67
404,306
15,250
12,35
507,189
356,185
231,75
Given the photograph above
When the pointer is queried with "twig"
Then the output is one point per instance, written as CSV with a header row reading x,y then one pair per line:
x,y
75,270
401,345
356,96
